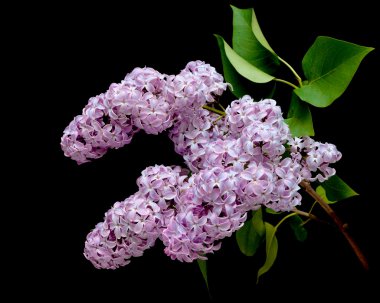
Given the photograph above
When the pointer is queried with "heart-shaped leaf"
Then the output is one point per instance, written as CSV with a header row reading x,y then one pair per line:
x,y
243,67
299,118
329,66
247,45
251,235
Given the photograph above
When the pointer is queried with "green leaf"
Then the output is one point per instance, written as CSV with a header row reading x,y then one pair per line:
x,y
230,74
203,267
299,118
271,249
296,223
337,190
244,68
246,45
329,66
251,235
259,34
322,192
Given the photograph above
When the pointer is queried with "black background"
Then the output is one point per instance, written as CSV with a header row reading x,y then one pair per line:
x,y
80,51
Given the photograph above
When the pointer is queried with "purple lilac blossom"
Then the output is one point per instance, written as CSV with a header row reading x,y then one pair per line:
x,y
314,158
209,213
145,100
237,163
129,228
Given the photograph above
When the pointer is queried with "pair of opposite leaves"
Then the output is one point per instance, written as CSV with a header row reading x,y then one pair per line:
x,y
329,66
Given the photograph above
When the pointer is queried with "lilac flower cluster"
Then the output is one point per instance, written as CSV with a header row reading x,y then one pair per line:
x,y
314,158
189,214
145,100
237,163
250,142
132,226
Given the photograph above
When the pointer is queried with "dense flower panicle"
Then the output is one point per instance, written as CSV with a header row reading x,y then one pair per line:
x,y
245,111
260,125
217,188
129,228
210,215
226,153
161,184
145,100
197,84
123,98
90,135
100,129
285,191
100,254
186,195
210,186
315,158
152,114
191,138
219,144
151,111
185,238
147,80
237,163
75,146
238,115
184,131
255,187
213,82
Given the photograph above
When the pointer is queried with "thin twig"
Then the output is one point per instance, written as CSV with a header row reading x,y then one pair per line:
x,y
342,227
299,80
214,110
308,215
222,107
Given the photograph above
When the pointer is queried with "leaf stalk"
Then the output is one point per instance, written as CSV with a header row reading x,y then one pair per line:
x,y
299,80
286,82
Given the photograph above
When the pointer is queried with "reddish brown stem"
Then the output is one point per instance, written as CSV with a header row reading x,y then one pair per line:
x,y
341,226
